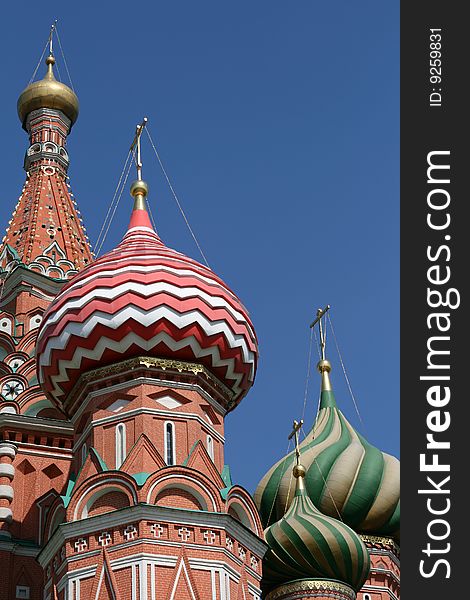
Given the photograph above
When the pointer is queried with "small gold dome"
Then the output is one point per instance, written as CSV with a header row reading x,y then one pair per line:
x,y
48,93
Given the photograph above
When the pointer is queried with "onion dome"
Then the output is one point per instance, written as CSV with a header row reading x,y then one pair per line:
x,y
344,473
143,298
48,93
305,544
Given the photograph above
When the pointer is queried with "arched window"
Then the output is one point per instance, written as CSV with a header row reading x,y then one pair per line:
x,y
84,453
367,597
169,443
120,444
210,446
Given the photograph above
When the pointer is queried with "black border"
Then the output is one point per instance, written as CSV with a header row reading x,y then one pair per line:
x,y
424,129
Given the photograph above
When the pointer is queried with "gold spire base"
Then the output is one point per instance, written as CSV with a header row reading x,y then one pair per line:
x,y
324,367
139,191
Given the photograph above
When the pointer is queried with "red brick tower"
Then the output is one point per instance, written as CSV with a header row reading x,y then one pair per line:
x,y
45,244
146,351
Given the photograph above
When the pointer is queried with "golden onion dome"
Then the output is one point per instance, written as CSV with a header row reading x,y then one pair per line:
x,y
48,93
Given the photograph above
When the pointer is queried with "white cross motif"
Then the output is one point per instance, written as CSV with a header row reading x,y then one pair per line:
x,y
105,538
209,536
254,562
130,532
241,553
81,545
184,533
157,530
229,543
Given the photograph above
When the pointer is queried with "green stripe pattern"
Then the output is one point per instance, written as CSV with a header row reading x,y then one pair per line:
x,y
347,477
307,544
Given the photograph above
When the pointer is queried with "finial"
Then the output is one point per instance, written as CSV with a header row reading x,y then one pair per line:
x,y
323,366
139,189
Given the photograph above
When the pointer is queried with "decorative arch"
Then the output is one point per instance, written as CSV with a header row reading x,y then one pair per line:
x,y
184,482
28,342
240,506
92,489
6,344
10,407
57,516
17,361
106,500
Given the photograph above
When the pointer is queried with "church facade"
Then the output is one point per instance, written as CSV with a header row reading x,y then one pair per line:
x,y
116,374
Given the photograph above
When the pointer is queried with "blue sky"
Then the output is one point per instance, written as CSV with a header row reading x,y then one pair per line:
x,y
278,124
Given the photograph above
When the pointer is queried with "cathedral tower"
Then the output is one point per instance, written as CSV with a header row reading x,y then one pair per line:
x,y
44,246
146,351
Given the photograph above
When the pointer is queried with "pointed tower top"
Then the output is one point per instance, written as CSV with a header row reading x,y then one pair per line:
x,y
139,188
45,232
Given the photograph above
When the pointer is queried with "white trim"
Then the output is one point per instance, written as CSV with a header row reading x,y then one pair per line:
x,y
143,572
134,581
152,581
181,568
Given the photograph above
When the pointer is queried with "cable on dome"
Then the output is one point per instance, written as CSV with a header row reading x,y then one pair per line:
x,y
344,371
328,490
317,343
309,360
39,63
151,217
114,203
63,56
283,470
176,197
323,478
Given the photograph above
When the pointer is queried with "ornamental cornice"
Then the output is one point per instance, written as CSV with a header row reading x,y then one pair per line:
x,y
311,585
164,365
377,540
22,279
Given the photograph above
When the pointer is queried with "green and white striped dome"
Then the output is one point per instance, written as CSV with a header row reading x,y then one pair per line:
x,y
305,544
347,477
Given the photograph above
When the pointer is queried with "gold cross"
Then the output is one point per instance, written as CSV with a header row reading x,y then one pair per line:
x,y
138,133
295,434
320,314
51,33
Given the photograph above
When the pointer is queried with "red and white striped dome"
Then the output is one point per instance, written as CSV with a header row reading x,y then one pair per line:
x,y
143,298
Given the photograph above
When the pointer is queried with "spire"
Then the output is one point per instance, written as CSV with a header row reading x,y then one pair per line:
x,y
327,398
140,219
45,232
